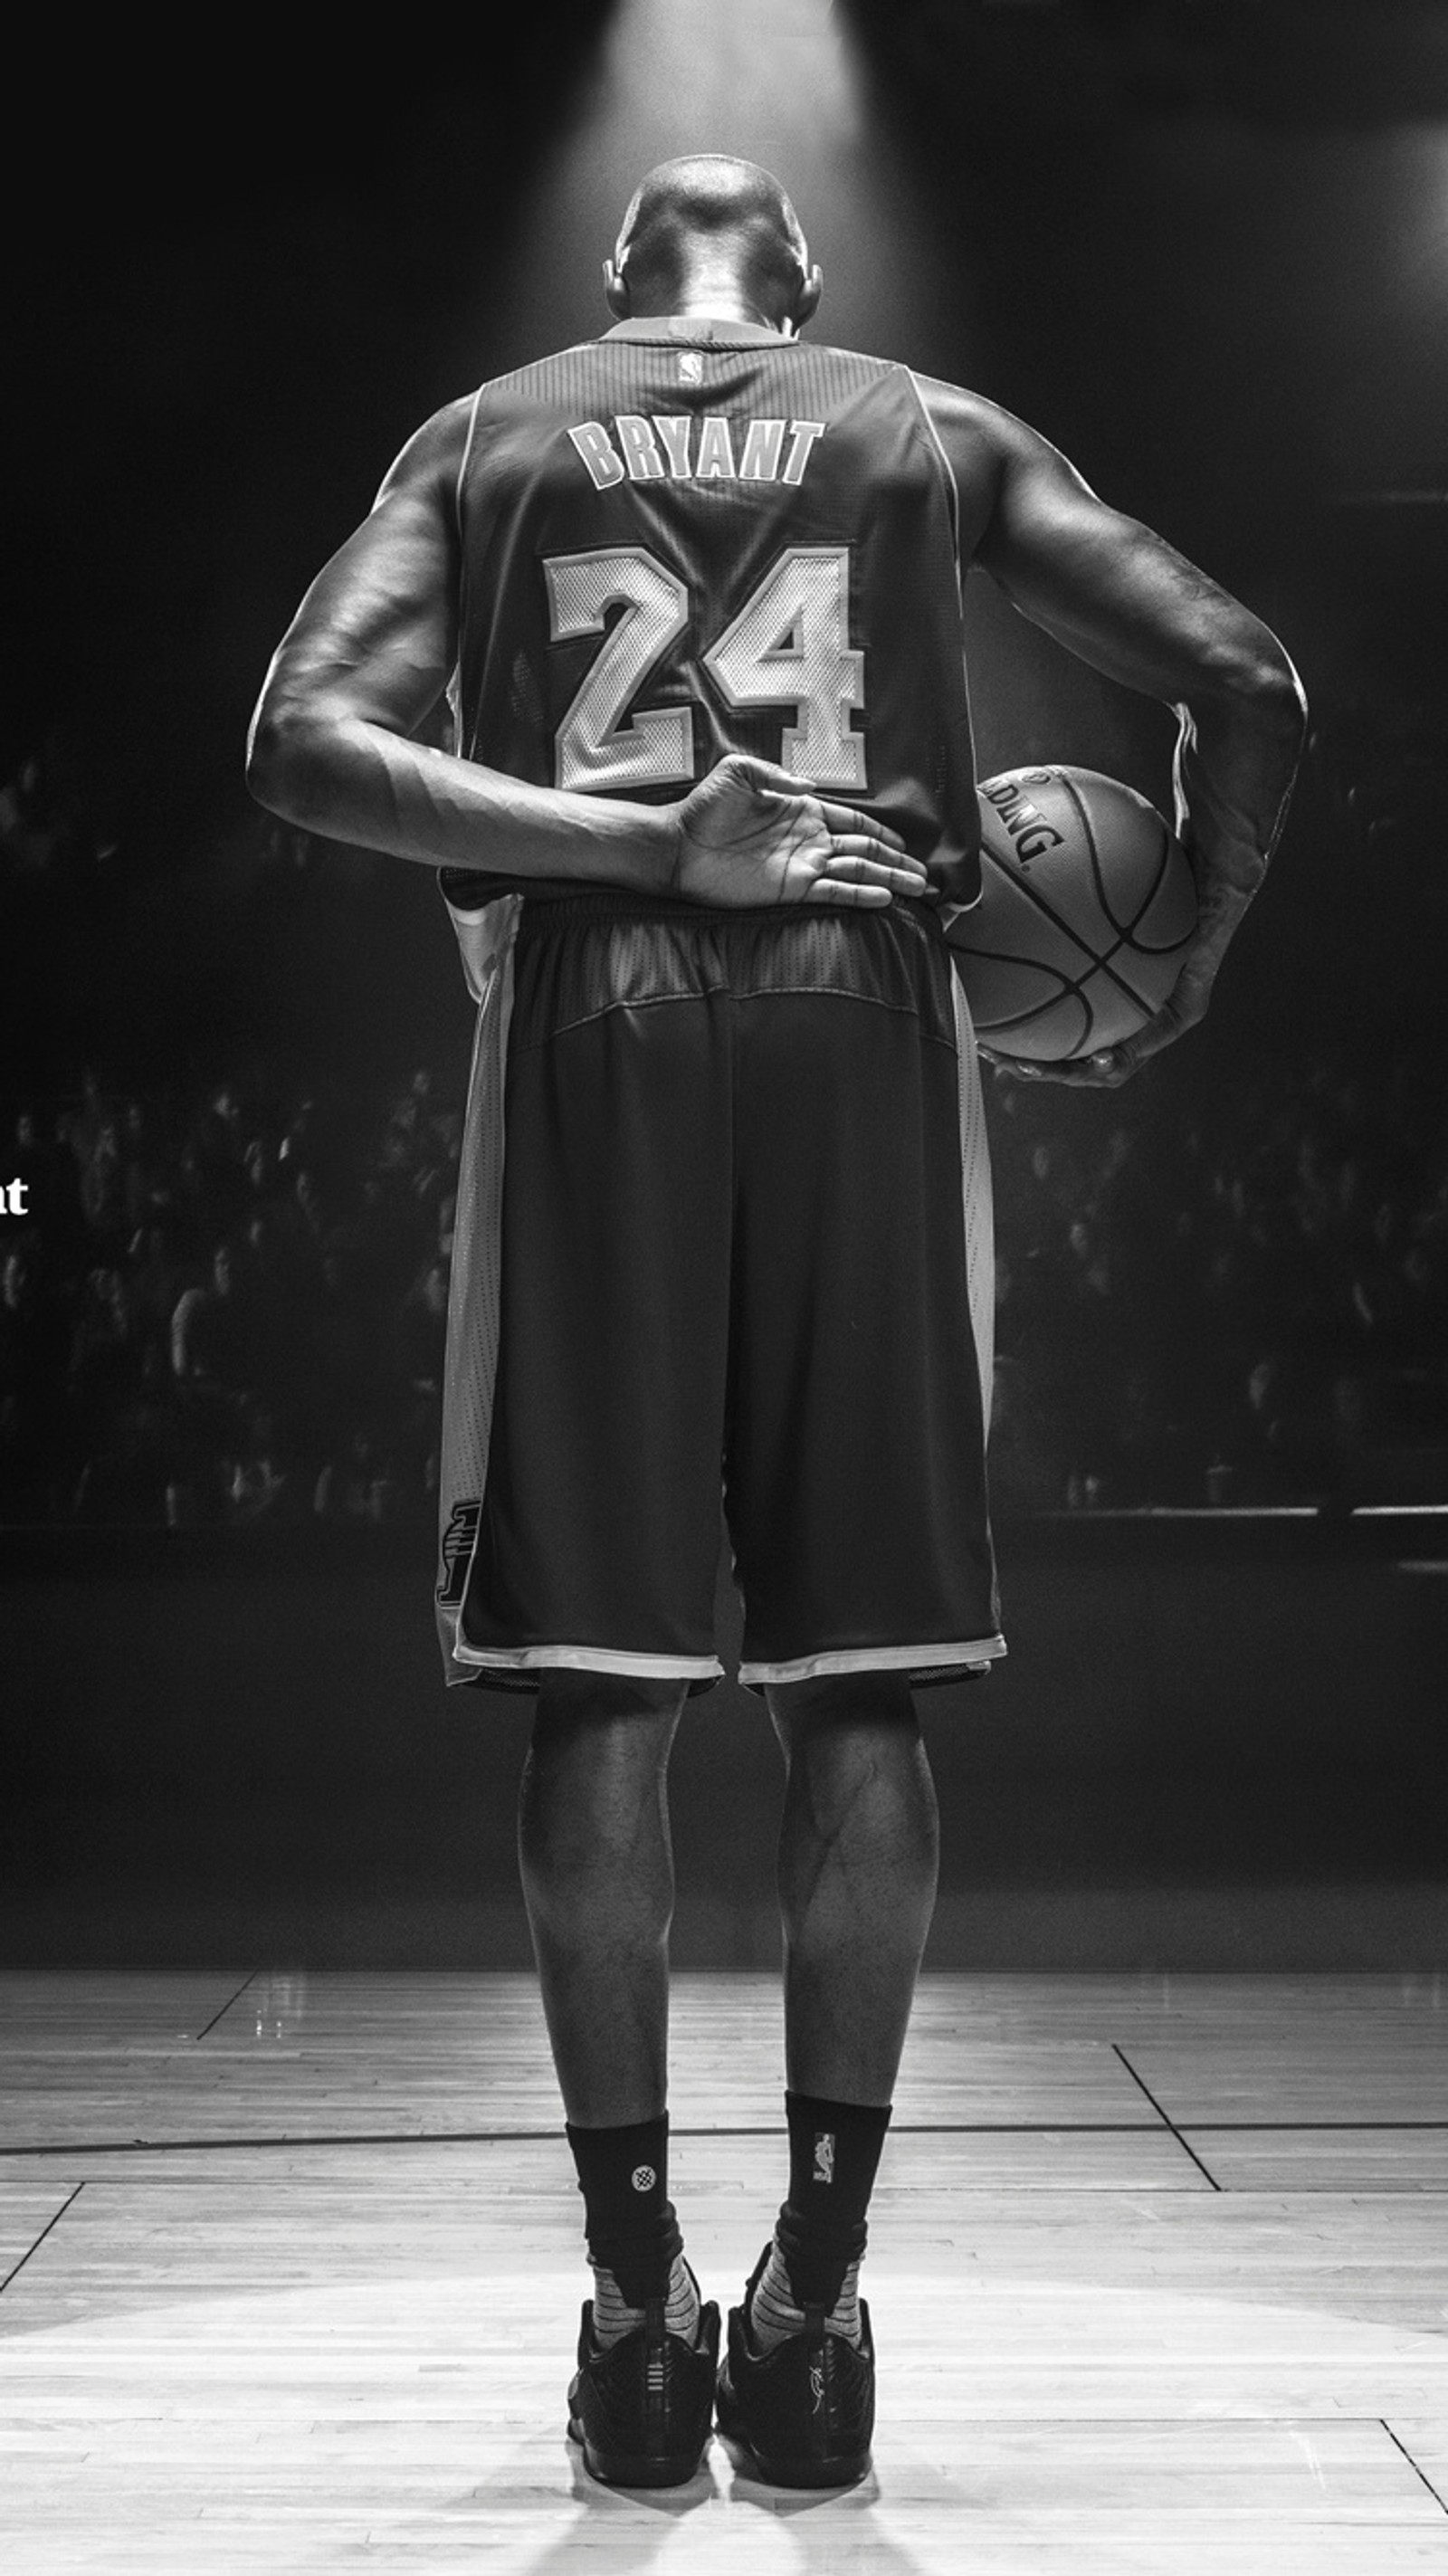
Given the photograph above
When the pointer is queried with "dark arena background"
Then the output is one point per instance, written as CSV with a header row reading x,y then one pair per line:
x,y
291,2252
1204,249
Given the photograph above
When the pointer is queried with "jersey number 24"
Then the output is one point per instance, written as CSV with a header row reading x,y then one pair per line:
x,y
789,647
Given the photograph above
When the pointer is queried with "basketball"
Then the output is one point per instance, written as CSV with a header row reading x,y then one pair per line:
x,y
1087,904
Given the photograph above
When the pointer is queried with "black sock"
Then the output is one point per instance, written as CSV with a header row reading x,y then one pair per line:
x,y
834,2150
628,2216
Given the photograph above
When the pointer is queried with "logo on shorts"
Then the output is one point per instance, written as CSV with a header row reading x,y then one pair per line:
x,y
643,2177
691,367
824,2163
458,1542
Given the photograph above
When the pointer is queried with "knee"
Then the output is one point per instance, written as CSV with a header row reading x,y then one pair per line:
x,y
843,1711
592,1830
596,1700
857,1763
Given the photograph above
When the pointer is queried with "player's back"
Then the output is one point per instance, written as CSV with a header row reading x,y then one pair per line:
x,y
693,537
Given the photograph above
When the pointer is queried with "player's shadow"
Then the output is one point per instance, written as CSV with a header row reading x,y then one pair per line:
x,y
583,2533
818,2544
632,2544
669,2503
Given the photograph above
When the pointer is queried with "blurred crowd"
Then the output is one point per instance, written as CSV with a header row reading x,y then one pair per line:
x,y
233,1309
225,1309
1245,1304
224,1300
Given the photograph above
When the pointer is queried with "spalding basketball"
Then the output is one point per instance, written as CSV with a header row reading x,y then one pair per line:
x,y
1087,904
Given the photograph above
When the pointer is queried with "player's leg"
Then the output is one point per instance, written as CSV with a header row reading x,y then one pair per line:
x,y
859,1854
858,1863
858,1510
599,1525
597,1537
598,1881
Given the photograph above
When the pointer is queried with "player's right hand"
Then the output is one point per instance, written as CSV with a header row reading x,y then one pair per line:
x,y
754,834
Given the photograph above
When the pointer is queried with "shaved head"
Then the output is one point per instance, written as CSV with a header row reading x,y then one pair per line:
x,y
710,217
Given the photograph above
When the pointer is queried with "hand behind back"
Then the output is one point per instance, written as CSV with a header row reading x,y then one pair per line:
x,y
751,834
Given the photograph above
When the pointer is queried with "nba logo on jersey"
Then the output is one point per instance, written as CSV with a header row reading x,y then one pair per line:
x,y
824,2161
457,1550
691,366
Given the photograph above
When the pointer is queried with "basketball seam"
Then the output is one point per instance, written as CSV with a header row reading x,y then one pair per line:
x,y
1149,898
1023,1019
1120,981
1163,947
1071,988
1126,930
1041,905
1092,852
1094,963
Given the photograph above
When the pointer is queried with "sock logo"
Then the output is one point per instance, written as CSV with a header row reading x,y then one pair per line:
x,y
824,2156
817,2384
643,2177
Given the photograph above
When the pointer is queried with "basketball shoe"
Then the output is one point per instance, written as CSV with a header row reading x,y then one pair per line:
x,y
642,2407
806,2409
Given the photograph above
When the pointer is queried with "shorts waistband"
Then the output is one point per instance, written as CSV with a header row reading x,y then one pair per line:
x,y
605,903
548,912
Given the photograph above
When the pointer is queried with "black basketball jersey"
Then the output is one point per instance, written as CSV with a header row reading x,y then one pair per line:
x,y
693,537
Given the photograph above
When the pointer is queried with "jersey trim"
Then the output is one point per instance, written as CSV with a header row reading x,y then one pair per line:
x,y
937,442
704,330
466,460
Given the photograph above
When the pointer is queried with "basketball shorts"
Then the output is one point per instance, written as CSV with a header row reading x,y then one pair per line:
x,y
723,1235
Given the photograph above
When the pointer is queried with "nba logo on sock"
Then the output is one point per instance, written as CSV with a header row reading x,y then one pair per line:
x,y
824,2163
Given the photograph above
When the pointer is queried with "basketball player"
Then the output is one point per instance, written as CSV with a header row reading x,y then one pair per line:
x,y
691,595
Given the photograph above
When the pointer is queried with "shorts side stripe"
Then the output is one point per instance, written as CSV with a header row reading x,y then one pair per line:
x,y
473,1313
975,1185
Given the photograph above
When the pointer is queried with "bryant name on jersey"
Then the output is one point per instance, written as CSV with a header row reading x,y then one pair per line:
x,y
695,450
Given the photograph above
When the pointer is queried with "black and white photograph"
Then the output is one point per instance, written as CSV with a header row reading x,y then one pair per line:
x,y
724,1292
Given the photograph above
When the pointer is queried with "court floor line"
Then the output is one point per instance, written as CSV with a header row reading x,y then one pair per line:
x,y
1412,2463
1184,2143
40,2239
226,2007
524,2137
902,2129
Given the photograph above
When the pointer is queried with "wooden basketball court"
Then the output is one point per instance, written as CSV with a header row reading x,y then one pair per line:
x,y
292,2268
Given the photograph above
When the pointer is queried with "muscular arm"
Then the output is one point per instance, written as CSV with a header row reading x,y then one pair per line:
x,y
364,663
1126,602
